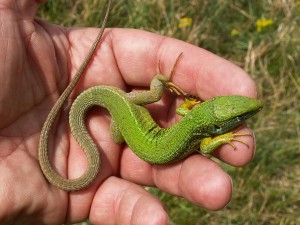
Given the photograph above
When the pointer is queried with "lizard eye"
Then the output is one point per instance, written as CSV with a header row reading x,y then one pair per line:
x,y
217,127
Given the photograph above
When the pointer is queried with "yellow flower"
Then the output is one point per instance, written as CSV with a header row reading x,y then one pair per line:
x,y
185,22
263,22
234,32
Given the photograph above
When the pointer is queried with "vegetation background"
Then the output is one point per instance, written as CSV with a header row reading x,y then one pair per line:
x,y
262,37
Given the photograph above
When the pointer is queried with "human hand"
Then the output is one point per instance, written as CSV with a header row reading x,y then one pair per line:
x,y
38,61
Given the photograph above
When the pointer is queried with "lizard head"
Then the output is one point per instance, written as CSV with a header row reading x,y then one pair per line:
x,y
224,113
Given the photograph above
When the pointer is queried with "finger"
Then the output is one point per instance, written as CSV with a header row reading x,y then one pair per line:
x,y
121,202
198,179
206,184
198,72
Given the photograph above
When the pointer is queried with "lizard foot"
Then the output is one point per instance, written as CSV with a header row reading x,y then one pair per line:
x,y
209,144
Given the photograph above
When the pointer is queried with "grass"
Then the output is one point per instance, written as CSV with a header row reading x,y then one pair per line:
x,y
262,37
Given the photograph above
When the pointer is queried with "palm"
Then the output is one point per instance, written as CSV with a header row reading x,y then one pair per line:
x,y
24,79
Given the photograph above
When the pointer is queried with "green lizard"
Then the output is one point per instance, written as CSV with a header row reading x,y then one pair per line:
x,y
206,125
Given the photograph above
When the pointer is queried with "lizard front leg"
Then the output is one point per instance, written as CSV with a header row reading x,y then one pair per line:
x,y
209,144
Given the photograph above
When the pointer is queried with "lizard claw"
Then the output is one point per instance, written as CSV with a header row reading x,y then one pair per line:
x,y
230,142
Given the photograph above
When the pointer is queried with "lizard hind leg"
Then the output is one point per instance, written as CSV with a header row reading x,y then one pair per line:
x,y
168,79
158,84
190,101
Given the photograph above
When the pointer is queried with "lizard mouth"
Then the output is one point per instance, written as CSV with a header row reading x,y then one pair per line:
x,y
245,116
234,122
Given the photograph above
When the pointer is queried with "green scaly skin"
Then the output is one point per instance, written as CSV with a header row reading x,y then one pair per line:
x,y
146,139
206,125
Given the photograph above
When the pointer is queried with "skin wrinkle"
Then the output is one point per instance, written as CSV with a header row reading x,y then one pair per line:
x,y
5,152
20,83
19,144
110,35
119,199
73,49
134,208
111,39
3,89
20,118
58,43
160,52
180,181
27,29
154,175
